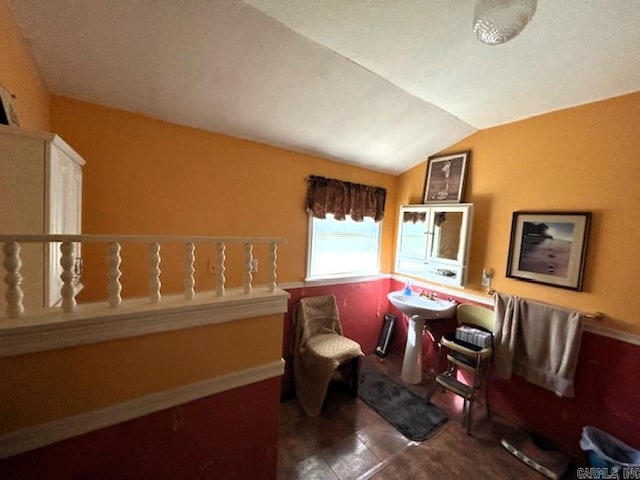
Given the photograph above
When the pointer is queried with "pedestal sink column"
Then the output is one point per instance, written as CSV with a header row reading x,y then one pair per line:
x,y
418,309
412,362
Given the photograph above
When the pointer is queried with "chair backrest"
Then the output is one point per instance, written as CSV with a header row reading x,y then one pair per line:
x,y
319,315
469,314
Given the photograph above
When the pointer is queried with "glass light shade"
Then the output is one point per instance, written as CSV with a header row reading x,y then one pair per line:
x,y
497,21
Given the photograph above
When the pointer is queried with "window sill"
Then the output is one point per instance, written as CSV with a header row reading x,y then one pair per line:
x,y
339,279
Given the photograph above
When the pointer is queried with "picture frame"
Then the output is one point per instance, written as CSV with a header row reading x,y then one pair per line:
x,y
445,178
549,248
8,115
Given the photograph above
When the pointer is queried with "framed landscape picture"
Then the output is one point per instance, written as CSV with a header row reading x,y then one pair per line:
x,y
445,178
549,248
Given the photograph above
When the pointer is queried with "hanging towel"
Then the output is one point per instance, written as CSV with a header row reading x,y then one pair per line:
x,y
538,341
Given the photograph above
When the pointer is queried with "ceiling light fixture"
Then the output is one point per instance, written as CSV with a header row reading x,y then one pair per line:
x,y
498,21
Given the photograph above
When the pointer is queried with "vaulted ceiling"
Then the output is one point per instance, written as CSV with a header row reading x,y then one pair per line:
x,y
383,84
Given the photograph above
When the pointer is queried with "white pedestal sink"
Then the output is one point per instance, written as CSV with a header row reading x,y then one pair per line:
x,y
419,310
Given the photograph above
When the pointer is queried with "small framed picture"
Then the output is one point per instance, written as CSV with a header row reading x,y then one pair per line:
x,y
8,114
549,248
445,178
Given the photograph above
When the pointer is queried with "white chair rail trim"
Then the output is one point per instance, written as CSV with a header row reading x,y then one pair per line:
x,y
590,325
41,435
97,322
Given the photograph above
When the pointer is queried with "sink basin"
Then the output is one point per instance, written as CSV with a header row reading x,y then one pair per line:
x,y
424,307
421,311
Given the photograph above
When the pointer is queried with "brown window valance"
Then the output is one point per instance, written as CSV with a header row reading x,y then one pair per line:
x,y
414,217
327,195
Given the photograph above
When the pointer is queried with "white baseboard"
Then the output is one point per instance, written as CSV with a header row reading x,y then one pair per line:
x,y
45,434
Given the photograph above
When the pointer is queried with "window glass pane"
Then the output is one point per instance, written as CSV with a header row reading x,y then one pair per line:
x,y
345,247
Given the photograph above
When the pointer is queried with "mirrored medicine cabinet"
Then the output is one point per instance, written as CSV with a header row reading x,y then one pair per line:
x,y
433,242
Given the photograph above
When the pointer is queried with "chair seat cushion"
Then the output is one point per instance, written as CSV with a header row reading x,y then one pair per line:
x,y
334,348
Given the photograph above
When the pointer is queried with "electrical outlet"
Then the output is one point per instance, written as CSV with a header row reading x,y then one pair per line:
x,y
254,265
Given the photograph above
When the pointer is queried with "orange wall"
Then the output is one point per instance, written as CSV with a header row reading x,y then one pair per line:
x,y
582,158
147,176
20,75
45,386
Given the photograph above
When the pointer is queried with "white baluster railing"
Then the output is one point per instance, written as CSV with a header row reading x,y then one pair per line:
x,y
13,279
220,258
114,287
248,267
12,263
68,291
154,272
189,270
273,264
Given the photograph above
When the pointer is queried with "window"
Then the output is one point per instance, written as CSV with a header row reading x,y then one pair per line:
x,y
343,248
344,237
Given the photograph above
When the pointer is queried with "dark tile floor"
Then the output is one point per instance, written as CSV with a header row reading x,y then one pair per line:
x,y
351,441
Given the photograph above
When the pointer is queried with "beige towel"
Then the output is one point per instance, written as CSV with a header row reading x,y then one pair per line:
x,y
537,341
318,349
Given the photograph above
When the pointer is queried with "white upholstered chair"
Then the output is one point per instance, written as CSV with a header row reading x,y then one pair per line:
x,y
319,350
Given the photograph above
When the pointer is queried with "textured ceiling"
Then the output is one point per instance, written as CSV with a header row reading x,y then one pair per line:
x,y
383,84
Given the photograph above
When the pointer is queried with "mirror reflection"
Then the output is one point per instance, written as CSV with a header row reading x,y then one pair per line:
x,y
446,235
413,240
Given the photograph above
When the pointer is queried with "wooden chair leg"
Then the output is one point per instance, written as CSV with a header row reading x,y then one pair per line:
x,y
355,375
469,416
465,412
486,391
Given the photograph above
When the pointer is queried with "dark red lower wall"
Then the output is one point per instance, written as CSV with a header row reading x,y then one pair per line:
x,y
607,387
429,351
607,396
362,306
230,435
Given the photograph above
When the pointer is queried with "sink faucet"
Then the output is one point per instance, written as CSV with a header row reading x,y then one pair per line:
x,y
430,295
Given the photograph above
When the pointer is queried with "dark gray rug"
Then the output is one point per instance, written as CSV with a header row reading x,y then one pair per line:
x,y
405,410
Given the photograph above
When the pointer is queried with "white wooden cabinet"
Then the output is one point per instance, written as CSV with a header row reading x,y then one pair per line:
x,y
433,242
40,193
